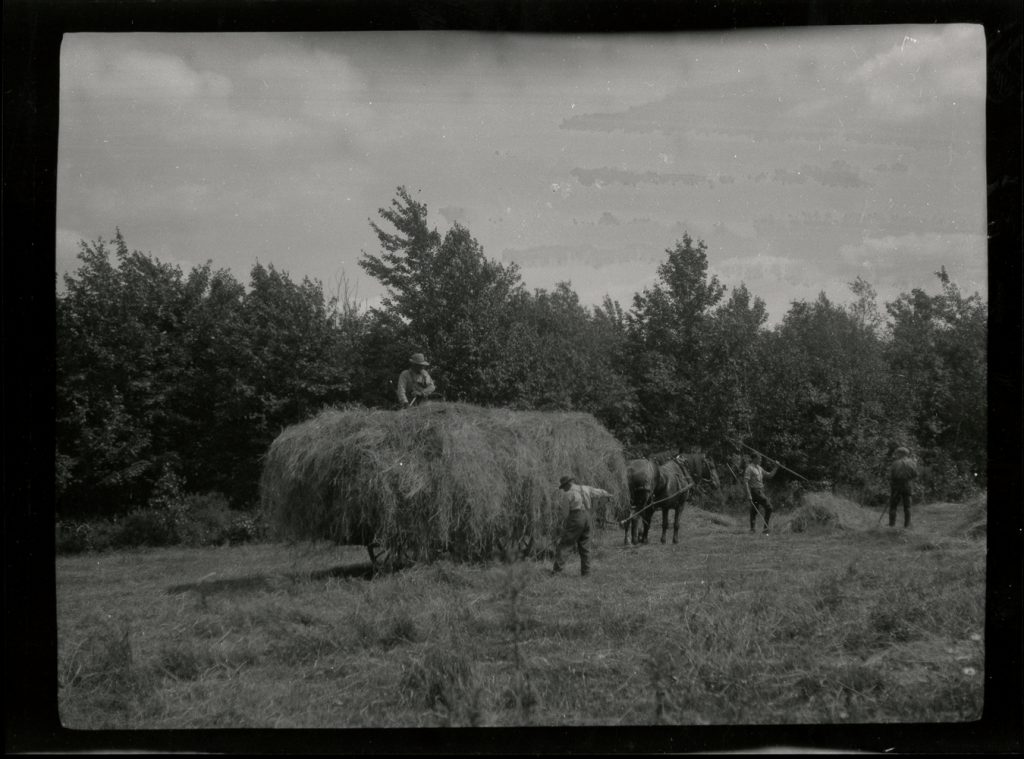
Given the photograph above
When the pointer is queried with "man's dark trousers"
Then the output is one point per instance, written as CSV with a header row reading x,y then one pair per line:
x,y
899,494
575,531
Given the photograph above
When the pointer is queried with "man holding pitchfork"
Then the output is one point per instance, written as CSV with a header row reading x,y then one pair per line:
x,y
754,477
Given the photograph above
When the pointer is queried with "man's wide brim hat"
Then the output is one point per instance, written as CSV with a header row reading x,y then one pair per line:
x,y
566,480
418,360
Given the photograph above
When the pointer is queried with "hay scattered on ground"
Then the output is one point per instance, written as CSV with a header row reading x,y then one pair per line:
x,y
826,511
975,521
444,477
706,519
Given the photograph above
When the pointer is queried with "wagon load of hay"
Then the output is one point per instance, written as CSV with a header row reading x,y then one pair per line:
x,y
825,511
443,477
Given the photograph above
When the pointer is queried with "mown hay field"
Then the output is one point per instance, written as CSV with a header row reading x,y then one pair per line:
x,y
835,625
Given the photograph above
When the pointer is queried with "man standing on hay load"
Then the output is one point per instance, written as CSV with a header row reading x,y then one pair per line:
x,y
414,384
901,473
576,527
754,478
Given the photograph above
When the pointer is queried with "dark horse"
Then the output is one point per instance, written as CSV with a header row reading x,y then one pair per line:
x,y
665,486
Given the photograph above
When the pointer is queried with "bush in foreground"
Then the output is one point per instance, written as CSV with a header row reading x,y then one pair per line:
x,y
193,520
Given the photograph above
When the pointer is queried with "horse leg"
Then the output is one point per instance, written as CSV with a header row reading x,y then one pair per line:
x,y
675,524
664,523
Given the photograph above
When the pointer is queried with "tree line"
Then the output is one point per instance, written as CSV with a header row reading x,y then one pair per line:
x,y
171,382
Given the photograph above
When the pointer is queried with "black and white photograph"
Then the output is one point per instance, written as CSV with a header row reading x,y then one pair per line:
x,y
566,383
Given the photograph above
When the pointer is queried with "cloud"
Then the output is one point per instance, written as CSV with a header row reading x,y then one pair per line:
x,y
174,201
763,267
836,174
899,166
967,252
323,86
605,176
277,101
66,248
923,70
126,76
220,126
780,280
453,214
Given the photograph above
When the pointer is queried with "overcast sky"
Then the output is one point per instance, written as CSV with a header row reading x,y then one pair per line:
x,y
803,158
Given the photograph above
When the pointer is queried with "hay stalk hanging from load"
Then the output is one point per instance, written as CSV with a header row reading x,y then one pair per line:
x,y
442,478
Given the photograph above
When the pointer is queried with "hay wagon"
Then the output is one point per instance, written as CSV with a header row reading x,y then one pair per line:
x,y
444,479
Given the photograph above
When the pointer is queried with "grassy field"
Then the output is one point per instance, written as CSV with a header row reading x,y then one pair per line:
x,y
823,626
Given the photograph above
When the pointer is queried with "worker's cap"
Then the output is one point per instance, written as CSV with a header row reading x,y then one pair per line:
x,y
566,480
418,360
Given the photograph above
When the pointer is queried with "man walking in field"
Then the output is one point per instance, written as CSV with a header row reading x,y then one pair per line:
x,y
901,474
414,384
576,526
754,477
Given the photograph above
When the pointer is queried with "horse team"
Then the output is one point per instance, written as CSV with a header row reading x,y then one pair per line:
x,y
666,486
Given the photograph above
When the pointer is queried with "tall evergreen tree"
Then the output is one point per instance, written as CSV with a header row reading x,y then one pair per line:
x,y
445,298
668,328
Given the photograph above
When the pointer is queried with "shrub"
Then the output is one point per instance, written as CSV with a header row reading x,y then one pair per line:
x,y
72,537
146,527
244,528
202,520
946,479
193,520
78,537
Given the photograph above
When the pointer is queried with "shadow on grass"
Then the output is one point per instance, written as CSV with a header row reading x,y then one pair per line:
x,y
364,571
259,582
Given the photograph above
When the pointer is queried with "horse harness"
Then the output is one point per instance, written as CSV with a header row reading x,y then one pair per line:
x,y
693,483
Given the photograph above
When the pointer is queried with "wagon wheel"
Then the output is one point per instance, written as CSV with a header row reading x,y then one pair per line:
x,y
525,545
388,558
517,547
378,555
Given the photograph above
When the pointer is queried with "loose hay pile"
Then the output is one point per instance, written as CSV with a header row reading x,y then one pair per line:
x,y
443,477
825,511
705,519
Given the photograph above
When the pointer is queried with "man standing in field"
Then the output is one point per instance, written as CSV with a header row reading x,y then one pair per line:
x,y
754,477
901,474
576,526
414,384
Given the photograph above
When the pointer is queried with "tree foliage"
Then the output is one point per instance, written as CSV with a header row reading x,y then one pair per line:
x,y
444,298
171,382
164,379
938,351
669,327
